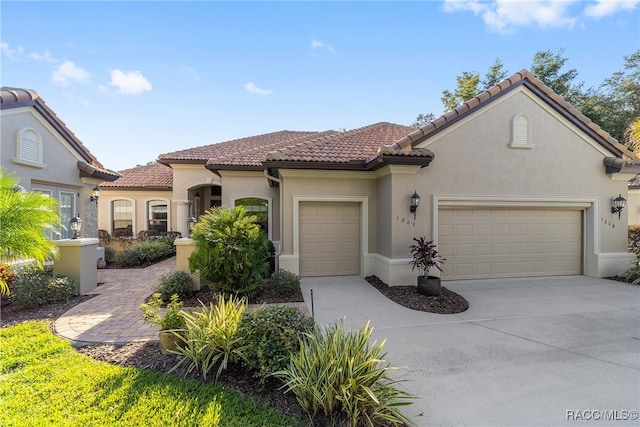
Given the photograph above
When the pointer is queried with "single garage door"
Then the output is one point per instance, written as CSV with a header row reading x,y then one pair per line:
x,y
329,238
486,243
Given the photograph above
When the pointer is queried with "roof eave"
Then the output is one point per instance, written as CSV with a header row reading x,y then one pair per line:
x,y
89,171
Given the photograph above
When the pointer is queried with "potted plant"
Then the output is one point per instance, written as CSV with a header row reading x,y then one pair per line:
x,y
170,321
426,257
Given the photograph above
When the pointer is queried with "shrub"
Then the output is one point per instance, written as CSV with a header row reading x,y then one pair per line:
x,y
211,336
337,374
146,252
231,250
171,319
634,239
32,288
109,254
176,282
271,334
283,282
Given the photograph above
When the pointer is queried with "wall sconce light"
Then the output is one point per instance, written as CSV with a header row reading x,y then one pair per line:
x,y
95,194
76,225
190,222
415,202
618,204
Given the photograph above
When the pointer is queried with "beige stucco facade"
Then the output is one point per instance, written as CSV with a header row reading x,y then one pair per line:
x,y
55,172
139,202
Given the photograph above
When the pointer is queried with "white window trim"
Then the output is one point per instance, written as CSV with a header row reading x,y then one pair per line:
x,y
156,199
133,219
26,162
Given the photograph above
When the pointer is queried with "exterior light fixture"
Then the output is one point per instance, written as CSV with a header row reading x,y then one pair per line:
x,y
76,226
415,202
618,204
190,222
95,194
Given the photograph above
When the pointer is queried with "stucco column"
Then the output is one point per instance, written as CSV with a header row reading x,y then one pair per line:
x,y
184,248
182,215
78,261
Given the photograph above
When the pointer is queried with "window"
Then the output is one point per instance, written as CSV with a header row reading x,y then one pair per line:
x,y
257,207
122,214
49,232
29,148
520,132
67,211
158,215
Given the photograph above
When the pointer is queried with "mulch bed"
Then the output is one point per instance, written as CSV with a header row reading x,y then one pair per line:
x,y
448,302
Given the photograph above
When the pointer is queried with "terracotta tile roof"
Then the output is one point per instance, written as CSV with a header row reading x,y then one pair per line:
x,y
359,145
11,97
523,77
235,147
154,176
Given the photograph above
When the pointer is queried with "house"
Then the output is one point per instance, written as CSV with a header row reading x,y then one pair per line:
x,y
633,201
37,147
513,183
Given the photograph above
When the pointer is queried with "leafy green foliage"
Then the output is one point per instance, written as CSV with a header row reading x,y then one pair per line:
x,y
283,282
211,336
270,335
146,252
338,375
38,367
175,283
33,287
109,254
231,250
25,219
171,319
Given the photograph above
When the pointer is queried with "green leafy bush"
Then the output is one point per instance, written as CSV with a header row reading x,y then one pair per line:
x,y
32,288
176,282
283,282
231,250
211,336
109,254
146,252
339,376
171,319
271,334
634,239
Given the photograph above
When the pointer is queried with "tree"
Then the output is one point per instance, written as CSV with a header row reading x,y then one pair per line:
x,y
622,91
25,218
633,136
495,75
547,67
467,87
422,120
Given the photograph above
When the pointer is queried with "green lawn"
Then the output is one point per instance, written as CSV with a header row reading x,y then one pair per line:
x,y
44,382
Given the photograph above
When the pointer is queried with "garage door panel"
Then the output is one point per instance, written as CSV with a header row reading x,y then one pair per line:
x,y
483,243
329,238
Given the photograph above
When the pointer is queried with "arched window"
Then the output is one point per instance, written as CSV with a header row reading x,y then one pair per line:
x,y
122,217
520,132
258,207
29,147
158,214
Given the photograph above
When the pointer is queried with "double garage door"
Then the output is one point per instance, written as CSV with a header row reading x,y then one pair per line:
x,y
329,238
487,243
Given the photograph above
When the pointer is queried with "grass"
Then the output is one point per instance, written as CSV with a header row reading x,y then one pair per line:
x,y
43,381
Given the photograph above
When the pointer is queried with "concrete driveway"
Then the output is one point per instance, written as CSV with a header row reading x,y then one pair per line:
x,y
553,351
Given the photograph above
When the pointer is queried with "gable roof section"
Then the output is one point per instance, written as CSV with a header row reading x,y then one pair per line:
x,y
11,97
355,149
154,176
236,147
545,93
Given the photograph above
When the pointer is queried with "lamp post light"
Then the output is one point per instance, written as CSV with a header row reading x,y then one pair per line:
x,y
76,226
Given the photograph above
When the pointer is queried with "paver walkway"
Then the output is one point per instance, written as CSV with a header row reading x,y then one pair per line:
x,y
113,316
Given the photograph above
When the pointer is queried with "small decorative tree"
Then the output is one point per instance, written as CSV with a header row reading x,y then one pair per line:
x,y
231,250
426,257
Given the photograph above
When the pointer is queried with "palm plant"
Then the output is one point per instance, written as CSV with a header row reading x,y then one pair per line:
x,y
25,218
633,136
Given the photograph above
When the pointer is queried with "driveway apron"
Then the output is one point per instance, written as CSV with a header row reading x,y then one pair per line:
x,y
550,351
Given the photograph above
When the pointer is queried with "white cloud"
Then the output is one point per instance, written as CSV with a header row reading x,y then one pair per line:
x,y
8,52
68,73
604,8
46,56
130,82
317,44
504,16
252,88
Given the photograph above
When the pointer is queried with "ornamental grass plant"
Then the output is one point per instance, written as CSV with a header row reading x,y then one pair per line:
x,y
339,376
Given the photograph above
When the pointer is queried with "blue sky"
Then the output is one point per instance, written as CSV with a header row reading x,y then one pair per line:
x,y
135,79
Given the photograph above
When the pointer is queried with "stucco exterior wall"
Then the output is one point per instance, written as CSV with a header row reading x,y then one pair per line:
x,y
140,200
633,206
241,184
59,170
